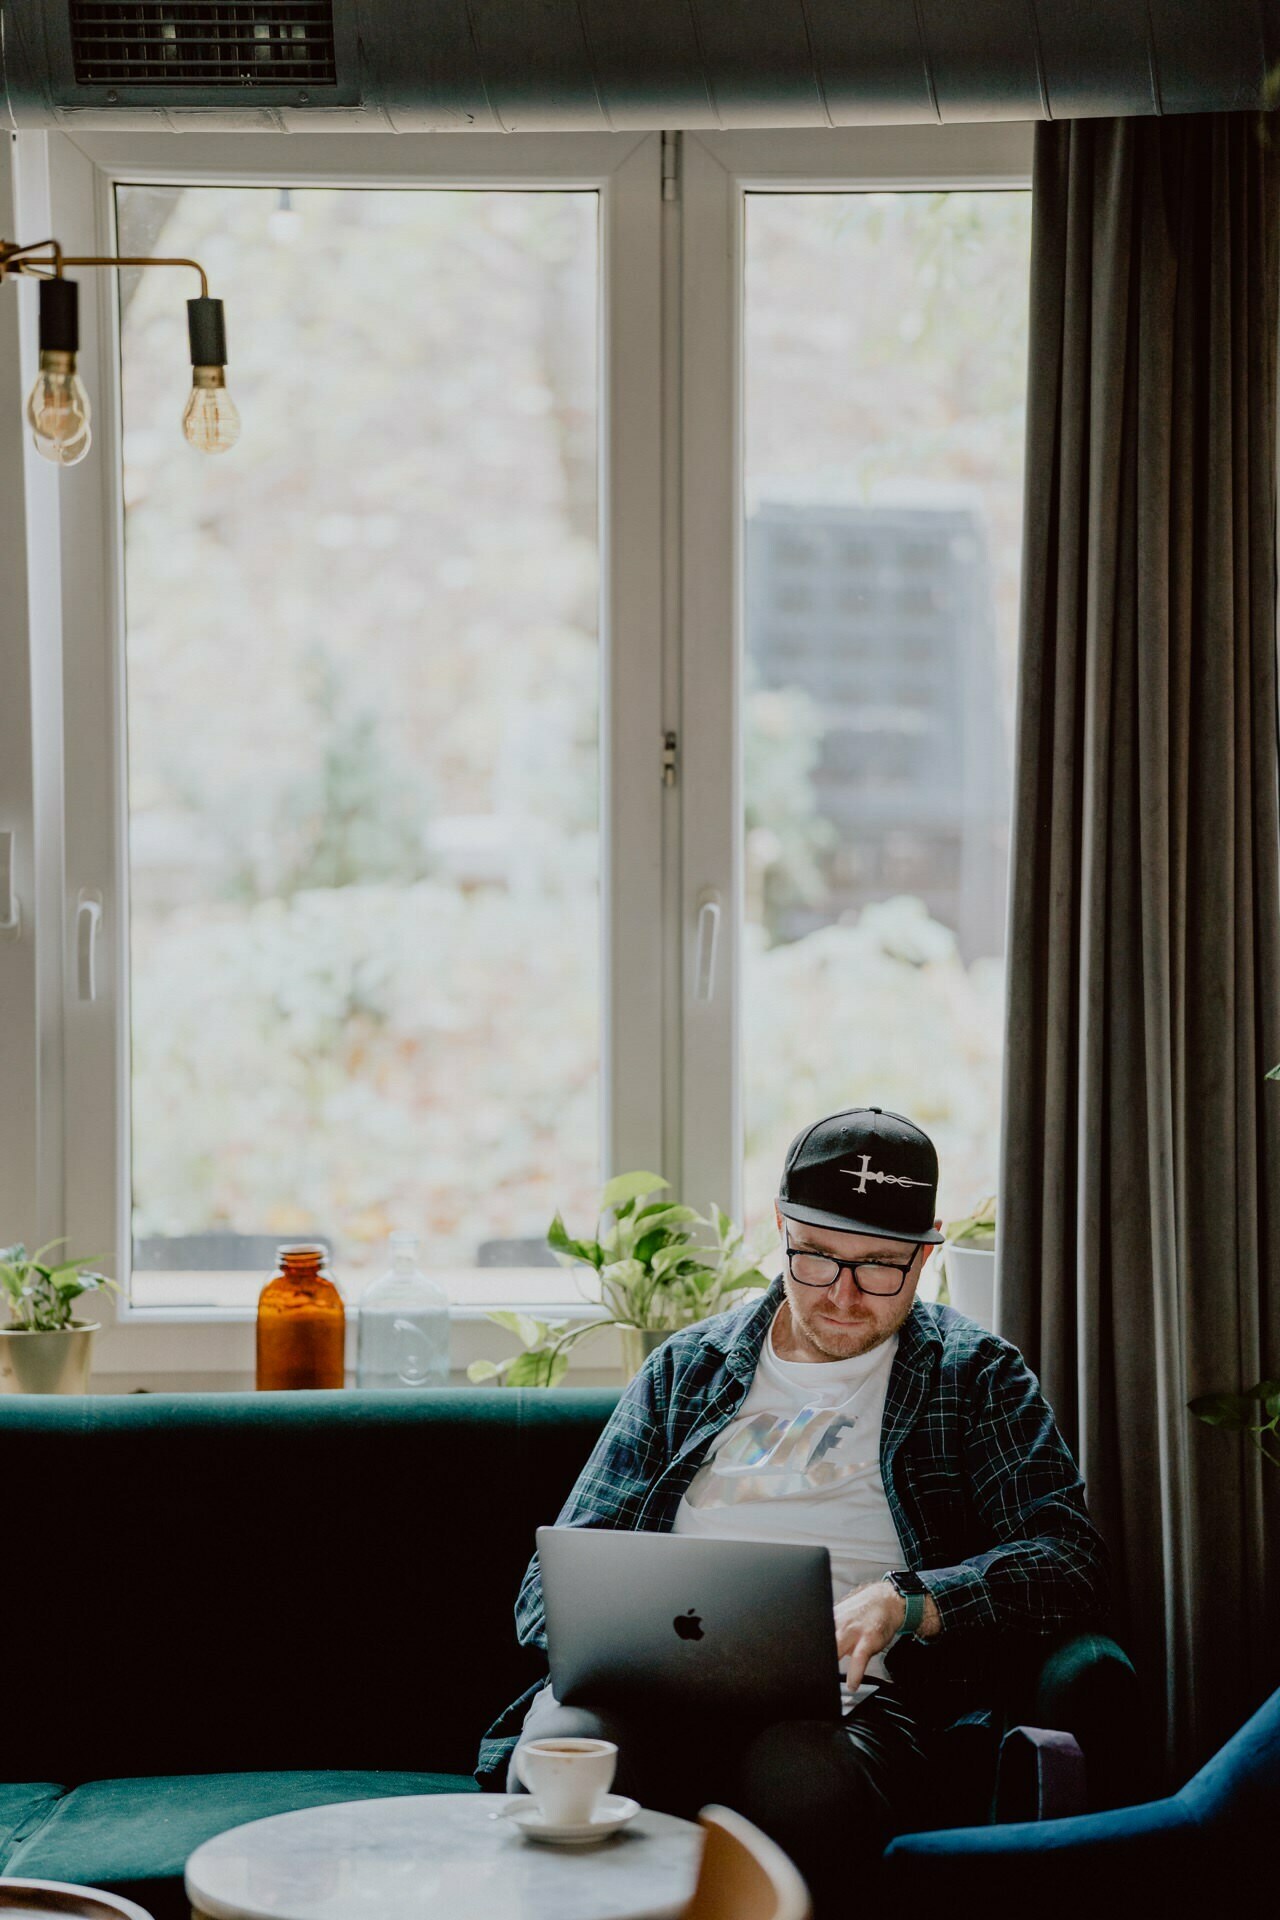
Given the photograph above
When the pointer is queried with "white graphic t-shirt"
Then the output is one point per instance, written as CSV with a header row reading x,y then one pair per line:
x,y
800,1463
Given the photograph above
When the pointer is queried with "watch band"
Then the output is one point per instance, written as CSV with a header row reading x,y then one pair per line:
x,y
914,1596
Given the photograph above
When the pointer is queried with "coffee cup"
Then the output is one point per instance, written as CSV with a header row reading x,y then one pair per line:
x,y
567,1777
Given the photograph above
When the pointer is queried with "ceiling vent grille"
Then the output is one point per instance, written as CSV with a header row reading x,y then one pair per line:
x,y
166,43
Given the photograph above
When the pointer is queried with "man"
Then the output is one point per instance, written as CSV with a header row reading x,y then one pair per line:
x,y
841,1411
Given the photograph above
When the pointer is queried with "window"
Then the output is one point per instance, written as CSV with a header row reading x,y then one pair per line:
x,y
884,378
364,923
402,923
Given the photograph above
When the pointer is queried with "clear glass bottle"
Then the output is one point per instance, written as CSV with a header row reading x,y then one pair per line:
x,y
404,1324
301,1323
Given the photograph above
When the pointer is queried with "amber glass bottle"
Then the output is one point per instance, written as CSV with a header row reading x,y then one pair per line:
x,y
301,1323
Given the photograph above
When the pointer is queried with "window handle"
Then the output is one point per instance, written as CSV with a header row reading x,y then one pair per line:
x,y
88,921
704,973
10,908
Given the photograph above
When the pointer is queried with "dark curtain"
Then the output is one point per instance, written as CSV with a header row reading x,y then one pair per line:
x,y
1140,1232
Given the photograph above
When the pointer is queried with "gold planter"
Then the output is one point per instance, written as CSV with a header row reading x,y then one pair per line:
x,y
637,1344
47,1362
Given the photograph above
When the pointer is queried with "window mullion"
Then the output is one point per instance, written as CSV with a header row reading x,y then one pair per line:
x,y
711,780
631,692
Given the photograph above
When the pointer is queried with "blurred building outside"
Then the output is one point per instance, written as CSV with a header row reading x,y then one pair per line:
x,y
883,616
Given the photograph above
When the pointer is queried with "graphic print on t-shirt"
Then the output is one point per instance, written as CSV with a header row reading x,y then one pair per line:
x,y
773,1456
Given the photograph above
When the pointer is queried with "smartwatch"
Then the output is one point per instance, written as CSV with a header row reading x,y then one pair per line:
x,y
914,1592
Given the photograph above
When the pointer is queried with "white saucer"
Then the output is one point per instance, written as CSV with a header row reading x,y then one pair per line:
x,y
613,1812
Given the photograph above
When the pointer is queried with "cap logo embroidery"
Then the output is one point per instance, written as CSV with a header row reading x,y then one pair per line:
x,y
866,1172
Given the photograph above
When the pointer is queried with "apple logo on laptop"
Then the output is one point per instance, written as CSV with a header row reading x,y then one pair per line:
x,y
688,1625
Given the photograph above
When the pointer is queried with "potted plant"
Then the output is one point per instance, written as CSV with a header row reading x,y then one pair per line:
x,y
644,1271
969,1258
43,1349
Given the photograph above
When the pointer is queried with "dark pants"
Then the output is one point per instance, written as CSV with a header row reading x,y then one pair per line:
x,y
831,1793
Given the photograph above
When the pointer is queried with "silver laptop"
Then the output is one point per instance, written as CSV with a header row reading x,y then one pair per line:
x,y
737,1627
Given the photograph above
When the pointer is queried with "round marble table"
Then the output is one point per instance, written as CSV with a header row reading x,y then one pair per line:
x,y
438,1856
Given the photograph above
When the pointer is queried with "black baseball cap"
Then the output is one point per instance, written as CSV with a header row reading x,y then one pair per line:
x,y
863,1171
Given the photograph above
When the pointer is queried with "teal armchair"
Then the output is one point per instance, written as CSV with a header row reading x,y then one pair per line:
x,y
1208,1846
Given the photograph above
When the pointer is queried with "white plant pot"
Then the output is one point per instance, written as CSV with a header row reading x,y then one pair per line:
x,y
47,1362
971,1282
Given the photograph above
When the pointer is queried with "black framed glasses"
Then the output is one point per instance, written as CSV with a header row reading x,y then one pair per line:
x,y
883,1278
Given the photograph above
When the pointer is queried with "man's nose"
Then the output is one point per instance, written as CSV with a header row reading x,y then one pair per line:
x,y
845,1293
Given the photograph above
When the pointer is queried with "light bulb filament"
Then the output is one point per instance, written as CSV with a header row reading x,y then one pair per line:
x,y
211,421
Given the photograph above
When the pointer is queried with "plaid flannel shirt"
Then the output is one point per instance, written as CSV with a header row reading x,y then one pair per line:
x,y
987,1501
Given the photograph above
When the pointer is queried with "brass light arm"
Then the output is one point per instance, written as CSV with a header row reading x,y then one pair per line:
x,y
58,407
11,253
14,259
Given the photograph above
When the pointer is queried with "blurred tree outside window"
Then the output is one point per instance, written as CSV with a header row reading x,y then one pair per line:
x,y
884,395
363,682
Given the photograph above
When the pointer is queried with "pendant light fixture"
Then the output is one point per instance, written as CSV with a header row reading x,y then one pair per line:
x,y
58,410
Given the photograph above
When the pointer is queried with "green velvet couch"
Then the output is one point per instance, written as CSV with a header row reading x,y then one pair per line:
x,y
292,1598
222,1606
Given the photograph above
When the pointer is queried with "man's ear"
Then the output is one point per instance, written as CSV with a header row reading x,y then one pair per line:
x,y
777,1214
929,1251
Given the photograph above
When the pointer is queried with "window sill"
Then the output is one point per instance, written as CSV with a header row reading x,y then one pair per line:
x,y
171,1348
473,1292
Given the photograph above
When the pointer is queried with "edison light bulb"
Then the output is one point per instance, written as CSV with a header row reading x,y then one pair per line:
x,y
58,410
211,421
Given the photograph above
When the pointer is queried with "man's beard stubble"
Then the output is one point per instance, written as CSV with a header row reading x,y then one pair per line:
x,y
871,1333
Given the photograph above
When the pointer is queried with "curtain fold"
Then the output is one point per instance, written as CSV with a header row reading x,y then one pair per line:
x,y
1139,1259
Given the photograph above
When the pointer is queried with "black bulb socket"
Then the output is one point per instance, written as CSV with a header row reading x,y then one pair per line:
x,y
208,330
59,315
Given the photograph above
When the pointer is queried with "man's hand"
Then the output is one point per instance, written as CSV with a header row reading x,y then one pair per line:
x,y
867,1621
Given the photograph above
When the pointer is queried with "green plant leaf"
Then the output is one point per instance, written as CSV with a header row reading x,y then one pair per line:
x,y
700,1280
667,1259
558,1233
72,1284
977,1228
1274,1074
668,1218
484,1370
751,1278
1231,1411
537,1368
654,1206
36,1259
1264,1390
630,1186
647,1245
528,1332
559,1241
75,1266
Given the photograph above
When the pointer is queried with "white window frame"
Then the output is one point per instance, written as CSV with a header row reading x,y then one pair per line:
x,y
66,185
671,489
718,171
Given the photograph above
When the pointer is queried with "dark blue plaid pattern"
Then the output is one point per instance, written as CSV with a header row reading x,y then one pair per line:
x,y
987,1501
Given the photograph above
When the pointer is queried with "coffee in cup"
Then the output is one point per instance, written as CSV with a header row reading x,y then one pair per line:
x,y
567,1777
